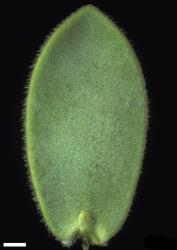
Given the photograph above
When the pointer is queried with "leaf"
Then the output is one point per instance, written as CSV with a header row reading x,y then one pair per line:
x,y
85,128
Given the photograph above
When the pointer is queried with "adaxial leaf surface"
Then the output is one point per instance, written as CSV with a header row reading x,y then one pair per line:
x,y
85,128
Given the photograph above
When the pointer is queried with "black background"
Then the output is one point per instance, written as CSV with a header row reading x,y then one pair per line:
x,y
150,26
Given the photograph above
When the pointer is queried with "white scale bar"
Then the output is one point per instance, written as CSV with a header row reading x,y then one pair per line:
x,y
14,244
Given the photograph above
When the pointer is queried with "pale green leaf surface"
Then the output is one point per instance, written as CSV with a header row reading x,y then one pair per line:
x,y
85,128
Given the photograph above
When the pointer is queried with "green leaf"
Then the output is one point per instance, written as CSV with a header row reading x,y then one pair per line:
x,y
85,127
